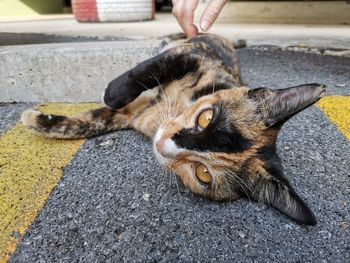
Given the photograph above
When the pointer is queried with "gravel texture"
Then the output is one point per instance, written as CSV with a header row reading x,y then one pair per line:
x,y
116,204
272,67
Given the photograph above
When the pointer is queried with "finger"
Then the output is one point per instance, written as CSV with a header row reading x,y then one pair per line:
x,y
211,13
184,13
191,31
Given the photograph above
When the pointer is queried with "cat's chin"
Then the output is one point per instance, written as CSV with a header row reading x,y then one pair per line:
x,y
161,159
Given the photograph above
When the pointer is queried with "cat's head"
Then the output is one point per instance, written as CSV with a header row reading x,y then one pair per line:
x,y
223,146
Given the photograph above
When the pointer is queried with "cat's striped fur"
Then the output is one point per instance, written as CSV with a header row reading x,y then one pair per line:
x,y
163,97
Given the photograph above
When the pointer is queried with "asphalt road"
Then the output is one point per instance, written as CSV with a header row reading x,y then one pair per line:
x,y
114,203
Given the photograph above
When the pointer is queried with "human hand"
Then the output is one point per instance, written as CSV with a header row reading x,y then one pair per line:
x,y
183,10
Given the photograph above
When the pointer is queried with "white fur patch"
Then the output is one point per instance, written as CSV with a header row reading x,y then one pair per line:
x,y
170,149
158,135
103,98
156,138
28,118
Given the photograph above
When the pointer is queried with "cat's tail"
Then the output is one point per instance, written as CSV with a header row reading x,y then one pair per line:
x,y
84,125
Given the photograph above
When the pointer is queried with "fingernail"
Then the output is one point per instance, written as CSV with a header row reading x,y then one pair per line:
x,y
205,25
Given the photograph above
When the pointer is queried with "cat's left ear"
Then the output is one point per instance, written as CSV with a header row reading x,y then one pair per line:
x,y
268,185
277,106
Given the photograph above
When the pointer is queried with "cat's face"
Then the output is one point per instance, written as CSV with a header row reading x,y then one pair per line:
x,y
206,144
223,146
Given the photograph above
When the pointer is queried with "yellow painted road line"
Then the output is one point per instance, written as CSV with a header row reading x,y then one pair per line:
x,y
30,167
337,109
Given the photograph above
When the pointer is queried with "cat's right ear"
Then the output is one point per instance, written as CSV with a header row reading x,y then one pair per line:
x,y
169,65
273,192
277,106
268,184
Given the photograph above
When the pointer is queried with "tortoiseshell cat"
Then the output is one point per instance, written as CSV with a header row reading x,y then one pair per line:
x,y
218,136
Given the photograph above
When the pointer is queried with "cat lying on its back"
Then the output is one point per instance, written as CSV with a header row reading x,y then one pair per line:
x,y
218,136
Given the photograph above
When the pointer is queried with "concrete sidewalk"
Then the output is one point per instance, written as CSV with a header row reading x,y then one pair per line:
x,y
79,72
320,36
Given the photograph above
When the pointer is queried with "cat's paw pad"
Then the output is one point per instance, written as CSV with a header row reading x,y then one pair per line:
x,y
29,118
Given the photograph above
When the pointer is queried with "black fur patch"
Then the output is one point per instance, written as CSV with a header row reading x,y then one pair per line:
x,y
220,136
209,89
197,77
272,163
48,123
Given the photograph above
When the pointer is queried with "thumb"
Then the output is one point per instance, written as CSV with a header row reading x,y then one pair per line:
x,y
211,13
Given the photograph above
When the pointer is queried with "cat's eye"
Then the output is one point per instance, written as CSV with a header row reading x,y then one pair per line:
x,y
203,174
204,118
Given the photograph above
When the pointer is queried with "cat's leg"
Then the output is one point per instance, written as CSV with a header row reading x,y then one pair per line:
x,y
172,64
96,122
144,113
83,125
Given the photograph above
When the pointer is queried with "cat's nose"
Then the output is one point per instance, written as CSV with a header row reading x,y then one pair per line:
x,y
167,148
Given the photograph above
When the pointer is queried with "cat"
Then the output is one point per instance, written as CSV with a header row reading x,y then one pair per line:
x,y
217,135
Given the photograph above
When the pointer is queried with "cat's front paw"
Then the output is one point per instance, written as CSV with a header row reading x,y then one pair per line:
x,y
29,118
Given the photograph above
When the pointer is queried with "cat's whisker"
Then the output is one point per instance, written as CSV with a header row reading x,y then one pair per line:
x,y
160,110
170,182
227,186
176,109
166,99
164,177
173,110
243,185
148,89
240,185
177,184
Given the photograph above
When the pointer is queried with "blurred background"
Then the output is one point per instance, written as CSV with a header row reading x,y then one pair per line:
x,y
248,11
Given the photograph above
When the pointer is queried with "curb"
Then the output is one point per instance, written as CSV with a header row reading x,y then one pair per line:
x,y
67,72
80,71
